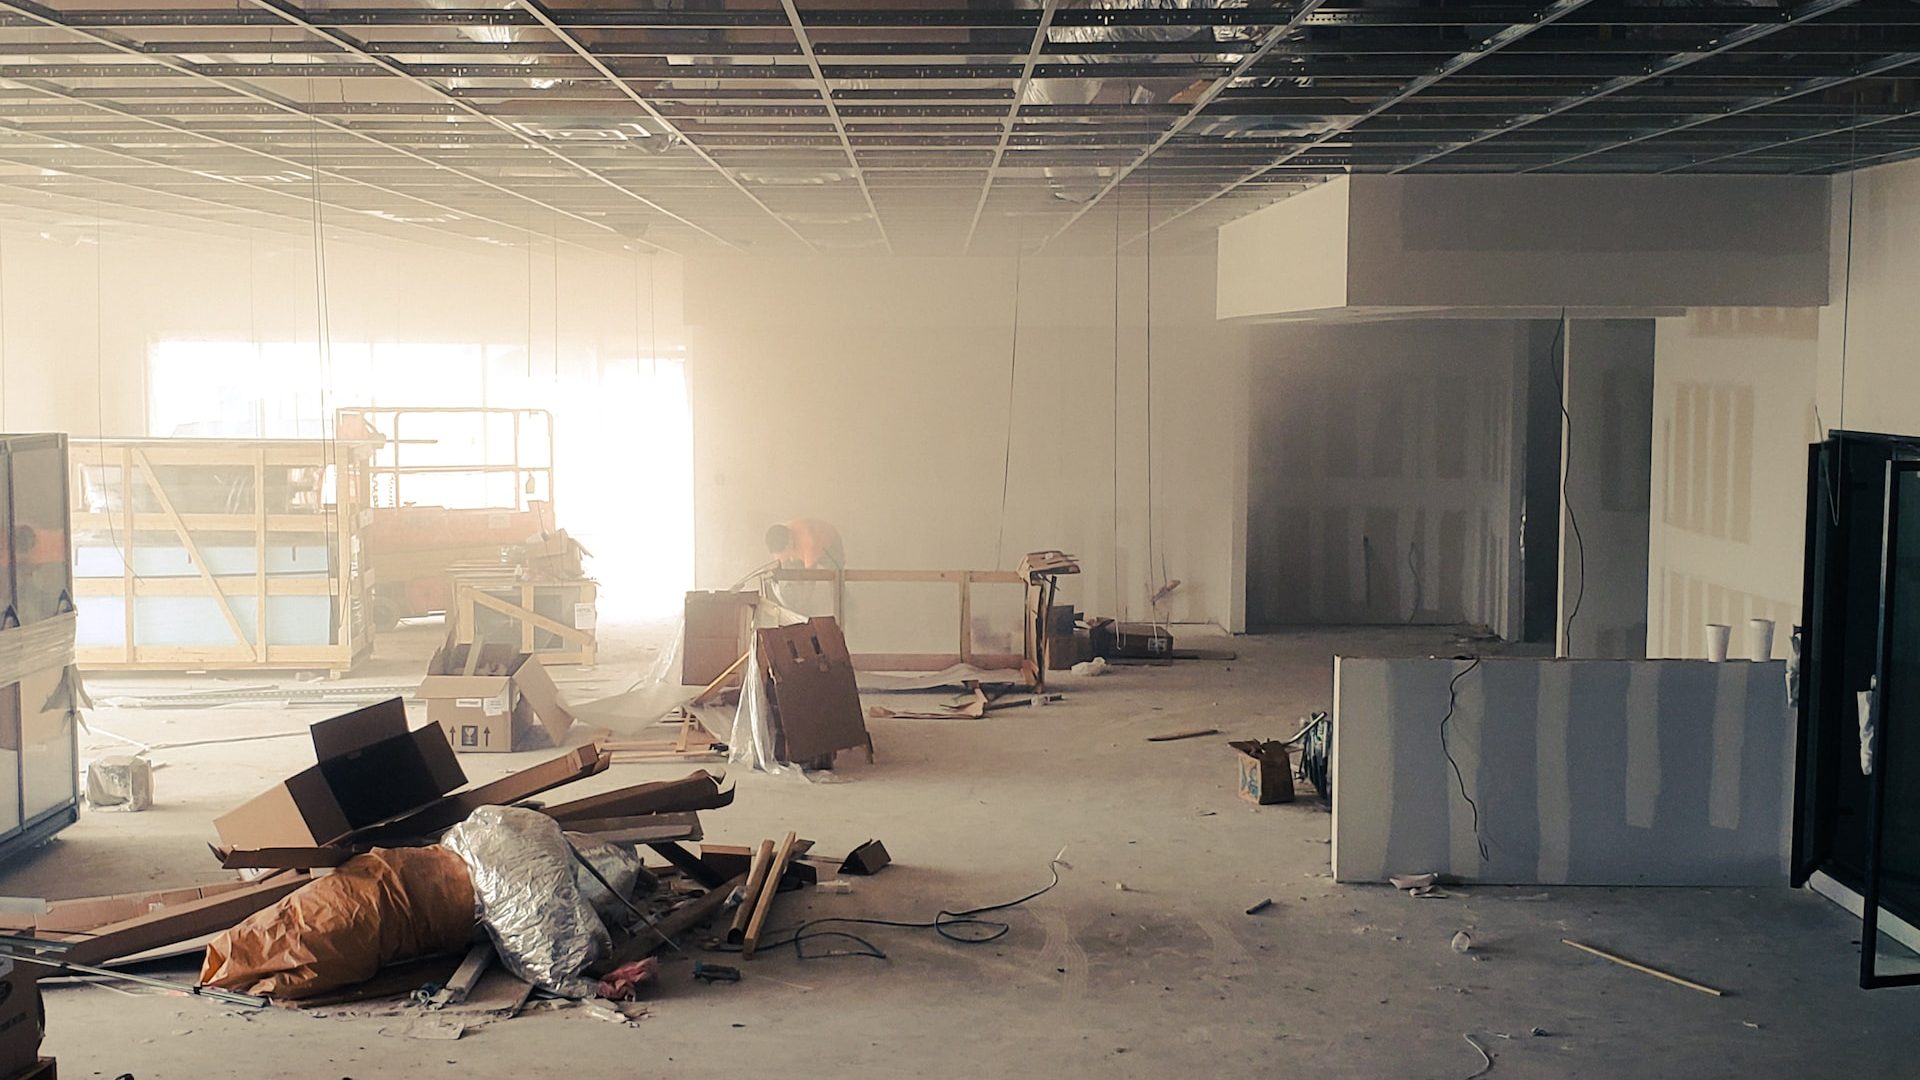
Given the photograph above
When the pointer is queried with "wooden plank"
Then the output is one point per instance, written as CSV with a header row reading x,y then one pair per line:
x,y
966,620
676,922
641,828
528,618
1004,577
316,523
763,906
281,858
126,549
688,863
260,557
192,919
732,670
933,661
93,912
756,878
182,586
698,790
448,811
192,548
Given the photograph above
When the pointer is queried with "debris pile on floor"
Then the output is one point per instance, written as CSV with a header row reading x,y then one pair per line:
x,y
379,872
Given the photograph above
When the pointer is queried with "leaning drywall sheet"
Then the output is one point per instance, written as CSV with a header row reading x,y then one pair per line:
x,y
1586,772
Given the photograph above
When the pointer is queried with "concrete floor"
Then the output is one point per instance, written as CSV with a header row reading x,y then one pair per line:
x,y
1140,963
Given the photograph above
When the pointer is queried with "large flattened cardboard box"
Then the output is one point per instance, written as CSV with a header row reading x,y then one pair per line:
x,y
369,768
816,703
20,1018
715,633
492,698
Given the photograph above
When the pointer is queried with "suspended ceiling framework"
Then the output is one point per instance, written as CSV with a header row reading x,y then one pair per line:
x,y
931,127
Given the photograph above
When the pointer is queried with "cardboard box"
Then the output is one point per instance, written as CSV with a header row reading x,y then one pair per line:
x,y
370,768
1142,641
492,698
21,1018
1266,773
555,556
816,703
716,631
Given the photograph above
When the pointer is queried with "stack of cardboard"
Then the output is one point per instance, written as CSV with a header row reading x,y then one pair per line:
x,y
555,556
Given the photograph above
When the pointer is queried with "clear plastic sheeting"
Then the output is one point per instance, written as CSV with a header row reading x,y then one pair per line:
x,y
36,646
751,743
526,895
620,866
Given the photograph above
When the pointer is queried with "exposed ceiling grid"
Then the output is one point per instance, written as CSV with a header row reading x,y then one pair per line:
x,y
914,126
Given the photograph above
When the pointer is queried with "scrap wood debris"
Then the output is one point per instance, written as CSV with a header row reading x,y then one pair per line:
x,y
378,867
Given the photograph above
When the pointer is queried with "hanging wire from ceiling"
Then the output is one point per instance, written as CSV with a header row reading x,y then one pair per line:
x,y
553,241
1013,374
1153,589
1846,313
527,236
323,341
1118,593
100,413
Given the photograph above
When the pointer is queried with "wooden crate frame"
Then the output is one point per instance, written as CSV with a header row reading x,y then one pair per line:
x,y
962,580
472,592
348,583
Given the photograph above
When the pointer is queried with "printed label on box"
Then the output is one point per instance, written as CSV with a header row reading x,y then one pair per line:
x,y
584,616
467,703
495,705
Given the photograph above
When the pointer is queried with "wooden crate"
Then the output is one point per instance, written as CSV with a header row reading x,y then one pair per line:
x,y
553,620
148,499
1020,665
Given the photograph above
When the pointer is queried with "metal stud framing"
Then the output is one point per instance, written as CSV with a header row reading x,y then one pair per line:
x,y
917,126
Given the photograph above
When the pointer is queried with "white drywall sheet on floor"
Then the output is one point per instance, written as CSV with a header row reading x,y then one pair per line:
x,y
1586,772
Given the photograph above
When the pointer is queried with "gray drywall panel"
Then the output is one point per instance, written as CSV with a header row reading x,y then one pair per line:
x,y
1586,772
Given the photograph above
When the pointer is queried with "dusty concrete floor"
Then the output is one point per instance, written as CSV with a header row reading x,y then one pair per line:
x,y
1165,976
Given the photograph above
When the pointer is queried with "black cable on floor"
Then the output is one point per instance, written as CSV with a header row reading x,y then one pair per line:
x,y
947,924
1453,702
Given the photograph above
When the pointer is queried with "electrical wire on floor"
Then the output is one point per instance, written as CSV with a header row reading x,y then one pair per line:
x,y
1453,703
1484,1056
961,927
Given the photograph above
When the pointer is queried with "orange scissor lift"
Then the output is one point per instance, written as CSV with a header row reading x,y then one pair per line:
x,y
449,485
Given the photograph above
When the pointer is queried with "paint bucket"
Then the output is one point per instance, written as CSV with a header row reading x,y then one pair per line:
x,y
1759,639
1718,635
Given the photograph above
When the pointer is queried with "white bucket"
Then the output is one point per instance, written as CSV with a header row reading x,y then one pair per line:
x,y
1718,634
1759,639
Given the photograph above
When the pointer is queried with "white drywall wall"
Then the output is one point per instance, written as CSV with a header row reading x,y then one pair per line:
x,y
1760,386
1291,256
1734,412
1606,431
1402,243
1384,472
873,393
1583,772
